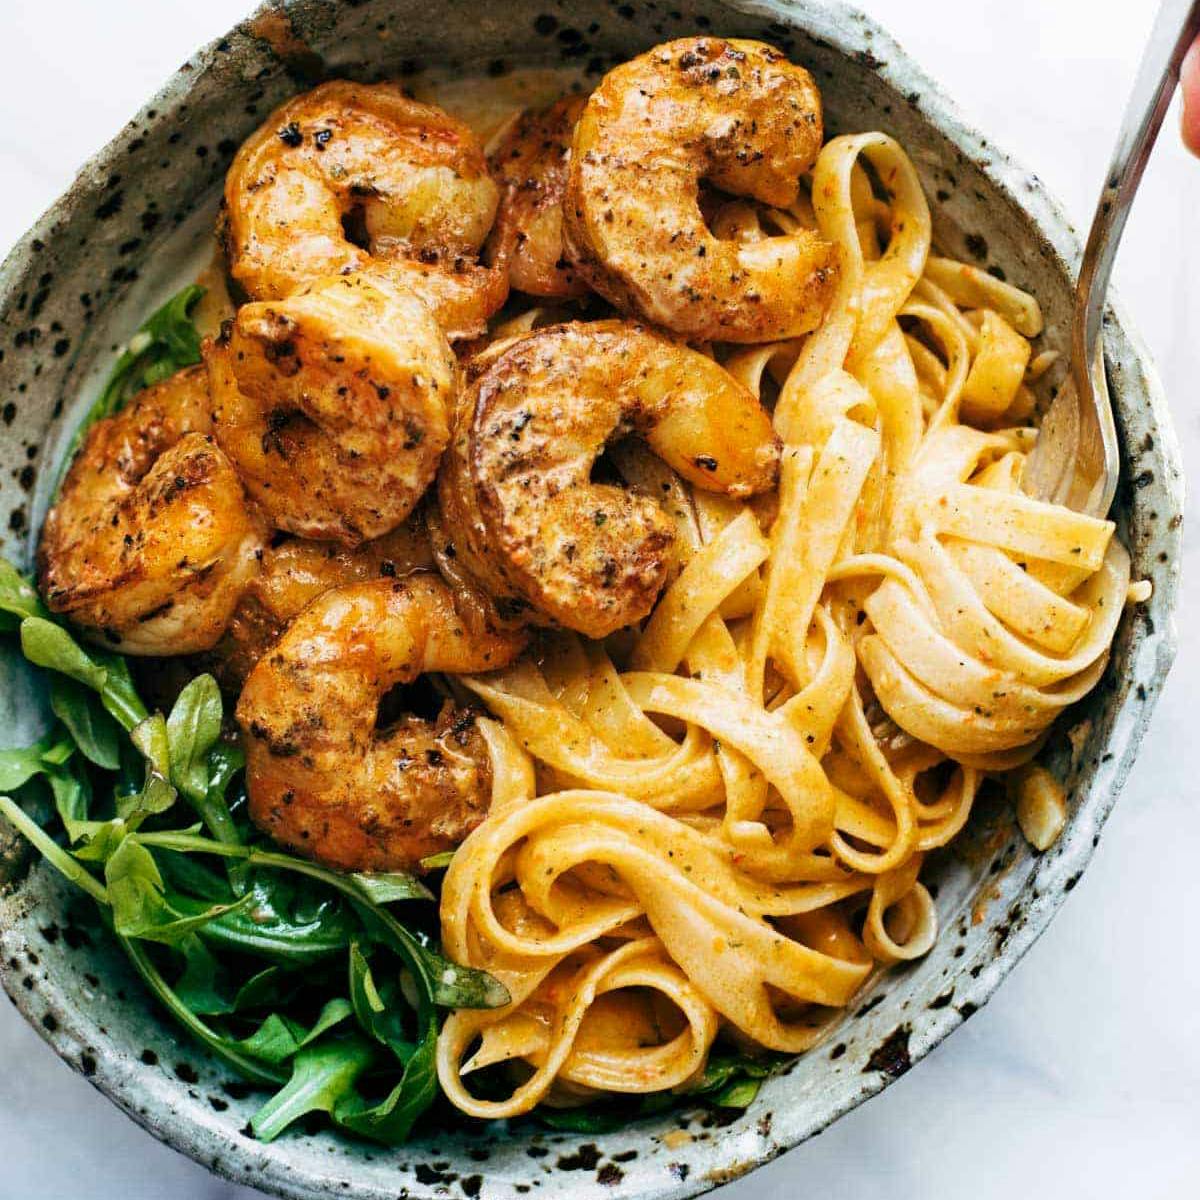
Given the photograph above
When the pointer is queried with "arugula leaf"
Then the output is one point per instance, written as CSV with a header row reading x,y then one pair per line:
x,y
95,732
388,887
204,984
131,775
136,895
442,981
728,1081
18,598
275,1040
192,730
99,839
272,985
225,760
20,764
151,738
738,1094
119,695
449,985
202,766
165,342
72,791
364,995
378,1011
334,1013
285,920
171,327
322,1074
588,1119
47,644
278,924
135,889
184,873
61,750
279,1037
604,1117
733,1080
51,851
721,1068
226,1050
156,797
456,986
391,1120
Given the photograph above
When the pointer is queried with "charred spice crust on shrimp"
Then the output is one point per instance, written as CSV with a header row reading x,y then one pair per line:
x,y
411,179
334,405
321,777
516,497
733,113
152,539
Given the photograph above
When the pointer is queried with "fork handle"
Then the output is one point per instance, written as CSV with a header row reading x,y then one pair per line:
x,y
1175,28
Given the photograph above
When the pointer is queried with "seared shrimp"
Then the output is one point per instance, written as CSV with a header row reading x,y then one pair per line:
x,y
461,295
531,163
734,113
333,404
321,777
413,176
294,573
517,501
152,542
411,179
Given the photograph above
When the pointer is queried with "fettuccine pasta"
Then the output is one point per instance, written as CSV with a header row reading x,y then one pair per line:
x,y
714,825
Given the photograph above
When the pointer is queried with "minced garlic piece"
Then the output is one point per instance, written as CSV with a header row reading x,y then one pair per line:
x,y
1041,807
1140,590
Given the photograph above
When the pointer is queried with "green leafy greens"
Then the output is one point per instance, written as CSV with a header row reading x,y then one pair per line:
x,y
729,1081
241,953
288,972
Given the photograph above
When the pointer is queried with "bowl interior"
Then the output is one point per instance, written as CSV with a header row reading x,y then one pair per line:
x,y
137,224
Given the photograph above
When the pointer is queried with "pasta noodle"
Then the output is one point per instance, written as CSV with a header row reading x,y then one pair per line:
x,y
720,823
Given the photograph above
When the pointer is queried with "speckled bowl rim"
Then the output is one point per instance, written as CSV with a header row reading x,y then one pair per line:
x,y
852,34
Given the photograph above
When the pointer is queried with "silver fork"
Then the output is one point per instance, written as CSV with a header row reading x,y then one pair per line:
x,y
1075,459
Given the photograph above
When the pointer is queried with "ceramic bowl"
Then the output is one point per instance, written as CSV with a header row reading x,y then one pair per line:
x,y
133,227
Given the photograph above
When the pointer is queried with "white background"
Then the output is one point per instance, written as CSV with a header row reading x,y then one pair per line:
x,y
1082,1077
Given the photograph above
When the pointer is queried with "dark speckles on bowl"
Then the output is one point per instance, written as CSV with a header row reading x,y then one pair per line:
x,y
136,224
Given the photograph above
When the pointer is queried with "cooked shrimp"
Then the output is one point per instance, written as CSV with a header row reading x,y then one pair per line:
x,y
321,776
462,295
413,176
333,404
531,163
152,541
734,113
411,179
517,501
294,573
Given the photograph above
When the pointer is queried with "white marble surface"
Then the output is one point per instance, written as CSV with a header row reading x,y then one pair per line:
x,y
1082,1077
